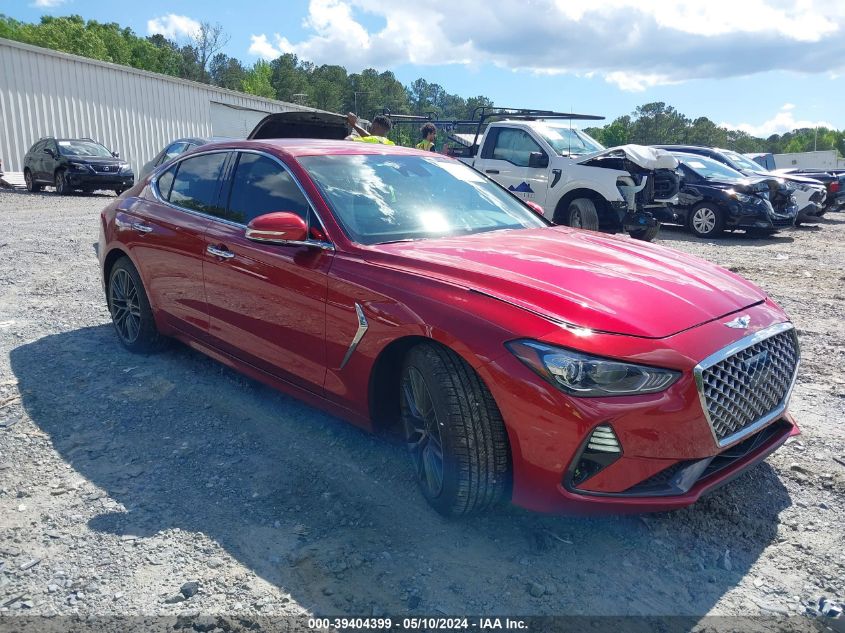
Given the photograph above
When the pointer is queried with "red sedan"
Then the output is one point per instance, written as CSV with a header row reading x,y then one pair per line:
x,y
559,369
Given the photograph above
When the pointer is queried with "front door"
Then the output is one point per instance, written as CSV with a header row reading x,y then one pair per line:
x,y
506,157
266,302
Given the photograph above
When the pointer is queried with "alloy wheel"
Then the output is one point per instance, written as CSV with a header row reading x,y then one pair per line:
x,y
422,432
27,176
704,220
61,185
125,307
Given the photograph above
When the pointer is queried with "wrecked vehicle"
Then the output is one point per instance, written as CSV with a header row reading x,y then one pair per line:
x,y
810,193
539,157
713,197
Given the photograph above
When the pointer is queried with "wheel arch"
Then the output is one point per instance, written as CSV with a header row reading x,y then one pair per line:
x,y
109,261
602,205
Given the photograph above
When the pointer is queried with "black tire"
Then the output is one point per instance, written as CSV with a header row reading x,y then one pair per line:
x,y
648,234
705,220
60,182
31,185
130,309
582,214
474,451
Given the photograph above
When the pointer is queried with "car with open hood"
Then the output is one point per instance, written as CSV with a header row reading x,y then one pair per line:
x,y
714,197
552,367
576,180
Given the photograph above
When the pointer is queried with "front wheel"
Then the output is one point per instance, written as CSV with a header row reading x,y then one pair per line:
x,y
61,183
648,234
582,214
454,431
705,220
130,309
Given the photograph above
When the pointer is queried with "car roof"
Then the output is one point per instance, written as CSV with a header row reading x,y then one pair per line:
x,y
295,147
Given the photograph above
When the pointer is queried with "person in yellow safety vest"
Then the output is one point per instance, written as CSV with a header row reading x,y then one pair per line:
x,y
379,129
429,134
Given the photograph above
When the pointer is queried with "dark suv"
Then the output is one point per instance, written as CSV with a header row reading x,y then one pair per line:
x,y
78,163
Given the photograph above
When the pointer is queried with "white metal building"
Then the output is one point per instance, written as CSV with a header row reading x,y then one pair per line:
x,y
822,159
134,112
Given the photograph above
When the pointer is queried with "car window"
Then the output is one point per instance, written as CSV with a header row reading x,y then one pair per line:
x,y
196,182
514,146
37,147
260,185
568,141
174,150
85,149
385,198
709,168
165,182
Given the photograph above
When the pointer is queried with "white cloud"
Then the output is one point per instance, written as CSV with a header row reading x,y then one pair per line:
x,y
47,4
173,26
633,44
783,121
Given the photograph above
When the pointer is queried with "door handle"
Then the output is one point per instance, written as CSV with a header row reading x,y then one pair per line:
x,y
491,171
141,227
219,252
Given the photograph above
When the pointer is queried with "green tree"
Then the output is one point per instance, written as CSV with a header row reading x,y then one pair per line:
x,y
259,80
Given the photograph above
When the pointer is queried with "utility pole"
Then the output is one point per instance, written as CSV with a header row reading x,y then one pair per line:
x,y
355,97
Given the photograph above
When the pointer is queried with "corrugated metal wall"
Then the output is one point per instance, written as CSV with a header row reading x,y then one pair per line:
x,y
46,93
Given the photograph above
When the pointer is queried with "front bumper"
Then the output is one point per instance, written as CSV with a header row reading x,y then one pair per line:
x,y
664,436
89,180
759,216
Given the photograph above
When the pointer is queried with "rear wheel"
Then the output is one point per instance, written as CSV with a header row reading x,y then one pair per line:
x,y
31,185
61,183
130,309
582,214
705,220
454,432
648,234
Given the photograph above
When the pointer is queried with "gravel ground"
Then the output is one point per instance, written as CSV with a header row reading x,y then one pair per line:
x,y
171,486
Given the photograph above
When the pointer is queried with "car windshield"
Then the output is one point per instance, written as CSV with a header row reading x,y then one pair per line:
x,y
85,149
384,198
709,168
742,162
568,141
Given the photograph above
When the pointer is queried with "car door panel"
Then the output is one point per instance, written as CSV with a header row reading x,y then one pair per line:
x,y
266,302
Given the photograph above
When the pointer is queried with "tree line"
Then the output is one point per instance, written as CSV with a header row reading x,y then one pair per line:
x,y
332,87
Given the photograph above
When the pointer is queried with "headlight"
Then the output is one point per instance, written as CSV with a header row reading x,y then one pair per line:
x,y
744,197
78,166
125,168
589,376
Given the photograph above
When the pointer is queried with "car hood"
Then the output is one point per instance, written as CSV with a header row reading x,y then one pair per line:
x,y
746,185
582,278
645,157
792,178
301,124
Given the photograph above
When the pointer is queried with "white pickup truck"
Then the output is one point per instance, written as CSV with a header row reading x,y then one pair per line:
x,y
574,178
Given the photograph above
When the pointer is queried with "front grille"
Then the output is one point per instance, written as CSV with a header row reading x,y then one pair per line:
x,y
108,169
748,384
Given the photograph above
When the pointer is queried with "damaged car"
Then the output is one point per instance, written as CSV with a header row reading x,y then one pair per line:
x,y
810,193
540,157
713,197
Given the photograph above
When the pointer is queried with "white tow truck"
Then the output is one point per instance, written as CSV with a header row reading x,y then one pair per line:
x,y
540,157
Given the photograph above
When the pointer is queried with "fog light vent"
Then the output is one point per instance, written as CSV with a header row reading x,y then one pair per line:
x,y
603,439
601,451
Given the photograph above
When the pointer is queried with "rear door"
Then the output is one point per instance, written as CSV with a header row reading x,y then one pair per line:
x,y
165,238
267,302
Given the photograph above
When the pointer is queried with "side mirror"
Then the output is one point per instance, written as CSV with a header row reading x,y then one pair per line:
x,y
281,227
116,154
536,208
538,159
48,151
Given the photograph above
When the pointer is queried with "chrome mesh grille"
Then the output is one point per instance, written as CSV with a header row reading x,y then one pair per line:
x,y
750,384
